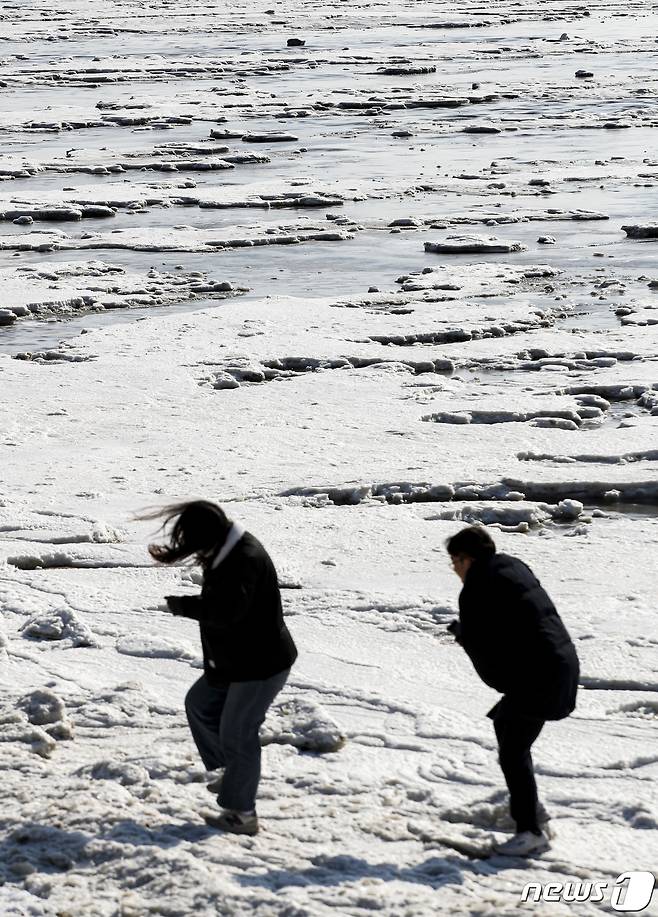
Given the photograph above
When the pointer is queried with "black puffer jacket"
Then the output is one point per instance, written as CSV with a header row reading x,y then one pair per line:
x,y
515,638
243,634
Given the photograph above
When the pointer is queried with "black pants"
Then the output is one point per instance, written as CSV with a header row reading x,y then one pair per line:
x,y
515,733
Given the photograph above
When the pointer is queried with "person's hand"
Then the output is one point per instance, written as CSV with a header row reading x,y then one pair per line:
x,y
174,604
455,629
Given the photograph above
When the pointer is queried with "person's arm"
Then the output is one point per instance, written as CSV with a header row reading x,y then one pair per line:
x,y
483,636
493,673
224,602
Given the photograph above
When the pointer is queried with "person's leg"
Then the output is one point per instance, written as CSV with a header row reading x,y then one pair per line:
x,y
516,734
543,818
246,705
204,705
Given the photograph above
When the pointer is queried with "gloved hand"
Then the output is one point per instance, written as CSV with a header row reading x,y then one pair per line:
x,y
455,629
175,604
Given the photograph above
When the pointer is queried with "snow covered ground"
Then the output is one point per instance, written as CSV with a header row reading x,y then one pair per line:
x,y
353,394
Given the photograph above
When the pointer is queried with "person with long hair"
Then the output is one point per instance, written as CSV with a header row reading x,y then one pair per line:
x,y
247,650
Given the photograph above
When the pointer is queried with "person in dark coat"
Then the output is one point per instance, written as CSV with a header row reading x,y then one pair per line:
x,y
247,650
519,646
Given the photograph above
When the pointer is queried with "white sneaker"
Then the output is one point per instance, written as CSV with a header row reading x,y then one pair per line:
x,y
523,845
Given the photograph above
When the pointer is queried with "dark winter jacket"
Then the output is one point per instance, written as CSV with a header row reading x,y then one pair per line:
x,y
515,638
243,634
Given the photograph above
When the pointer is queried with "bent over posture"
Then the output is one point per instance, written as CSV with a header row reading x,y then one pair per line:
x,y
247,651
518,645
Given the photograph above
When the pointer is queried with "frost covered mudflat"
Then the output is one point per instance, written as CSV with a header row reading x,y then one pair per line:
x,y
362,274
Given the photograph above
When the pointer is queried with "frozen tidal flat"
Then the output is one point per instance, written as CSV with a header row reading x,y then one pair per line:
x,y
363,290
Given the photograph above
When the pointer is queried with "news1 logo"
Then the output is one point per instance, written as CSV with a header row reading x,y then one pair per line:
x,y
632,892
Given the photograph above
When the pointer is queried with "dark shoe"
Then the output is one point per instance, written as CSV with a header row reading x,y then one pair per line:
x,y
233,822
215,785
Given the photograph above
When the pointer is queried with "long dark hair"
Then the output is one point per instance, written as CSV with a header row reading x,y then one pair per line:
x,y
195,529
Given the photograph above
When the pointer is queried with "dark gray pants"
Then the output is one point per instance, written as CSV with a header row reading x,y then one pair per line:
x,y
225,723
